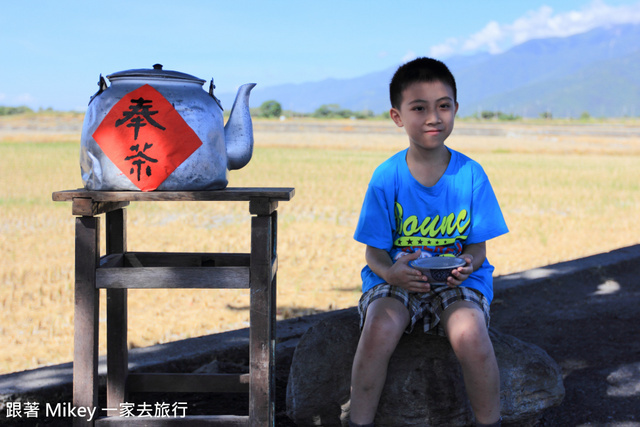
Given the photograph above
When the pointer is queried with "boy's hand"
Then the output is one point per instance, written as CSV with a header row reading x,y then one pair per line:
x,y
402,275
461,274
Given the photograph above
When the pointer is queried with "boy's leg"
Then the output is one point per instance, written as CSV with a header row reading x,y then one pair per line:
x,y
384,324
466,329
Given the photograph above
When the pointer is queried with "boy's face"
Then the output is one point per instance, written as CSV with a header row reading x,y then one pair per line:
x,y
427,113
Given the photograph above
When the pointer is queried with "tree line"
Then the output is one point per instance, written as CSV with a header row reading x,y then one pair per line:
x,y
273,109
7,111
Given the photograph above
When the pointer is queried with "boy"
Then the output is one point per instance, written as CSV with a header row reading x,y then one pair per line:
x,y
427,200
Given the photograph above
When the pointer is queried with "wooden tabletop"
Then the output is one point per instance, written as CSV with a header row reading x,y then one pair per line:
x,y
227,194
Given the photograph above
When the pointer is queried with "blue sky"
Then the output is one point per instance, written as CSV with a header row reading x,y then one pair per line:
x,y
52,52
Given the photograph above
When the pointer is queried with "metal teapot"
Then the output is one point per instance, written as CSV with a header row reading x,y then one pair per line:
x,y
155,129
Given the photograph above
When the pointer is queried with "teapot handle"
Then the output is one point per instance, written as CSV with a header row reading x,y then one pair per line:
x,y
102,85
211,88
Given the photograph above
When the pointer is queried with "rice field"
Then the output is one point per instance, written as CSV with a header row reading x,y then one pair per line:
x,y
566,191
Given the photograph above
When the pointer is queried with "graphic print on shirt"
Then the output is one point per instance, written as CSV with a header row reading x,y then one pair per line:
x,y
437,235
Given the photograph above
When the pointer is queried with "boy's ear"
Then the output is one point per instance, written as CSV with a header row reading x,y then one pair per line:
x,y
456,108
395,116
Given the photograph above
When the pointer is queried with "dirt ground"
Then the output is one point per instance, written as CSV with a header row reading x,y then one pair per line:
x,y
590,325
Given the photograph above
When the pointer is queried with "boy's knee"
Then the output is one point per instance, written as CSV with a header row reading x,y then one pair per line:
x,y
381,333
471,340
382,329
473,346
386,316
465,323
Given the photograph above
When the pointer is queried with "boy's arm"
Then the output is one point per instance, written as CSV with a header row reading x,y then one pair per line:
x,y
474,254
398,273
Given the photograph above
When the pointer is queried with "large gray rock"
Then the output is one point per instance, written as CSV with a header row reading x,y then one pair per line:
x,y
424,383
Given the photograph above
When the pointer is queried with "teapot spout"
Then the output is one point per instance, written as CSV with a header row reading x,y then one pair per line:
x,y
238,132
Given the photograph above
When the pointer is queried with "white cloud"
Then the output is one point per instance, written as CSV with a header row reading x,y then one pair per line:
x,y
409,56
535,24
445,49
541,23
490,36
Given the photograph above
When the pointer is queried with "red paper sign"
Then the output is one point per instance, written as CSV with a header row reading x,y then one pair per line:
x,y
145,137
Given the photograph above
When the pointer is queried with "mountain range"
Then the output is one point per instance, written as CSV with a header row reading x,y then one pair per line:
x,y
596,72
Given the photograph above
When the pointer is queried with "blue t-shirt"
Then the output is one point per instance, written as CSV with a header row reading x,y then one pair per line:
x,y
400,214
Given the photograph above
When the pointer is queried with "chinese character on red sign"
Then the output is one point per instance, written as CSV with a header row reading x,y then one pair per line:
x,y
145,137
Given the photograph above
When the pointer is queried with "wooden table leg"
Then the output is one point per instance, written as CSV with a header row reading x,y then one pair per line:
x,y
117,351
272,315
262,337
87,307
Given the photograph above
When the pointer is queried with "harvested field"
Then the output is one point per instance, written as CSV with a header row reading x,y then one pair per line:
x,y
566,190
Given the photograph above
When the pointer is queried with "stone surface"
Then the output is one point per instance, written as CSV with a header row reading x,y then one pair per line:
x,y
424,382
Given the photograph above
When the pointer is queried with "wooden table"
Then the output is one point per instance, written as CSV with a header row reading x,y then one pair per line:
x,y
119,270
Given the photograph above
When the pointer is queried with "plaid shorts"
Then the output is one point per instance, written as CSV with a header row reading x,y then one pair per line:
x,y
427,306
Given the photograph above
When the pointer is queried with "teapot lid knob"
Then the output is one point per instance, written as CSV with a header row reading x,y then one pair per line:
x,y
157,66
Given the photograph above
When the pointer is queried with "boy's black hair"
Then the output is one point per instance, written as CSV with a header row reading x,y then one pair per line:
x,y
419,70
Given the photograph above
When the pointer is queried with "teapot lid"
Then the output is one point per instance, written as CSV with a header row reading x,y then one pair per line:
x,y
154,73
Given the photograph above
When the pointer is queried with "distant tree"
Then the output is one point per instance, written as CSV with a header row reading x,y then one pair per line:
x,y
507,117
323,111
487,115
271,109
585,116
333,111
364,114
546,115
328,111
5,111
